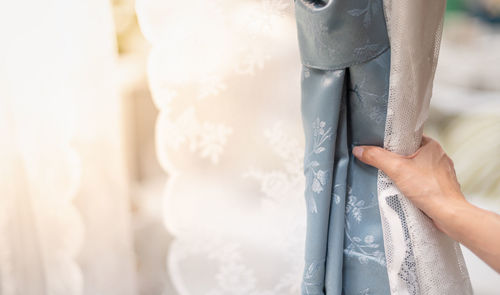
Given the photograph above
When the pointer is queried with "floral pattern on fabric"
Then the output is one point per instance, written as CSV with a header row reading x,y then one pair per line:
x,y
365,248
321,133
367,13
344,238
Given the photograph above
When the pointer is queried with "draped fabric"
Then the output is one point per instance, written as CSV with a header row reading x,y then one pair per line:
x,y
419,259
64,216
344,242
345,54
337,34
225,76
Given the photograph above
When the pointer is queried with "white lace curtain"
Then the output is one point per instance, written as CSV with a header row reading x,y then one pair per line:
x,y
225,76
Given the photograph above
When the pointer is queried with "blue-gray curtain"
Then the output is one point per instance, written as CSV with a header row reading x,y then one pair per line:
x,y
345,57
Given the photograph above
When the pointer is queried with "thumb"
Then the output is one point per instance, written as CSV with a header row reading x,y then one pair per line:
x,y
380,158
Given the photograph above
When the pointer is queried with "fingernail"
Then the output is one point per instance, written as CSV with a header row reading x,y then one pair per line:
x,y
357,151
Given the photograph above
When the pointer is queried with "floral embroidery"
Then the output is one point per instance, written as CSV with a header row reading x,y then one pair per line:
x,y
319,176
280,188
354,206
318,181
367,12
364,248
312,269
207,138
211,85
259,20
213,139
254,59
312,280
278,184
320,135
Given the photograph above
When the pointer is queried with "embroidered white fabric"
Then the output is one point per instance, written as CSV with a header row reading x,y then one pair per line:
x,y
225,76
420,259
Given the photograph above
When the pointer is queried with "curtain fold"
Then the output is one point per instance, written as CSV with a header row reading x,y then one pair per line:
x,y
419,258
344,243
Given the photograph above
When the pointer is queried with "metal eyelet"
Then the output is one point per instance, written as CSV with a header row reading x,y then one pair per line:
x,y
315,4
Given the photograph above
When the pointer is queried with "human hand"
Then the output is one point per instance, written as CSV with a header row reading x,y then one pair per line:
x,y
427,177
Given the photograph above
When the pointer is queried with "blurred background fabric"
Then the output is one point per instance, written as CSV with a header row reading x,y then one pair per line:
x,y
154,147
65,217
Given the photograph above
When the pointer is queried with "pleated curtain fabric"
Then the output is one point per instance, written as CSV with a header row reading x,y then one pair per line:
x,y
367,72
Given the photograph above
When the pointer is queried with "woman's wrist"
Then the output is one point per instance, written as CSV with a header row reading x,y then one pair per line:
x,y
449,214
